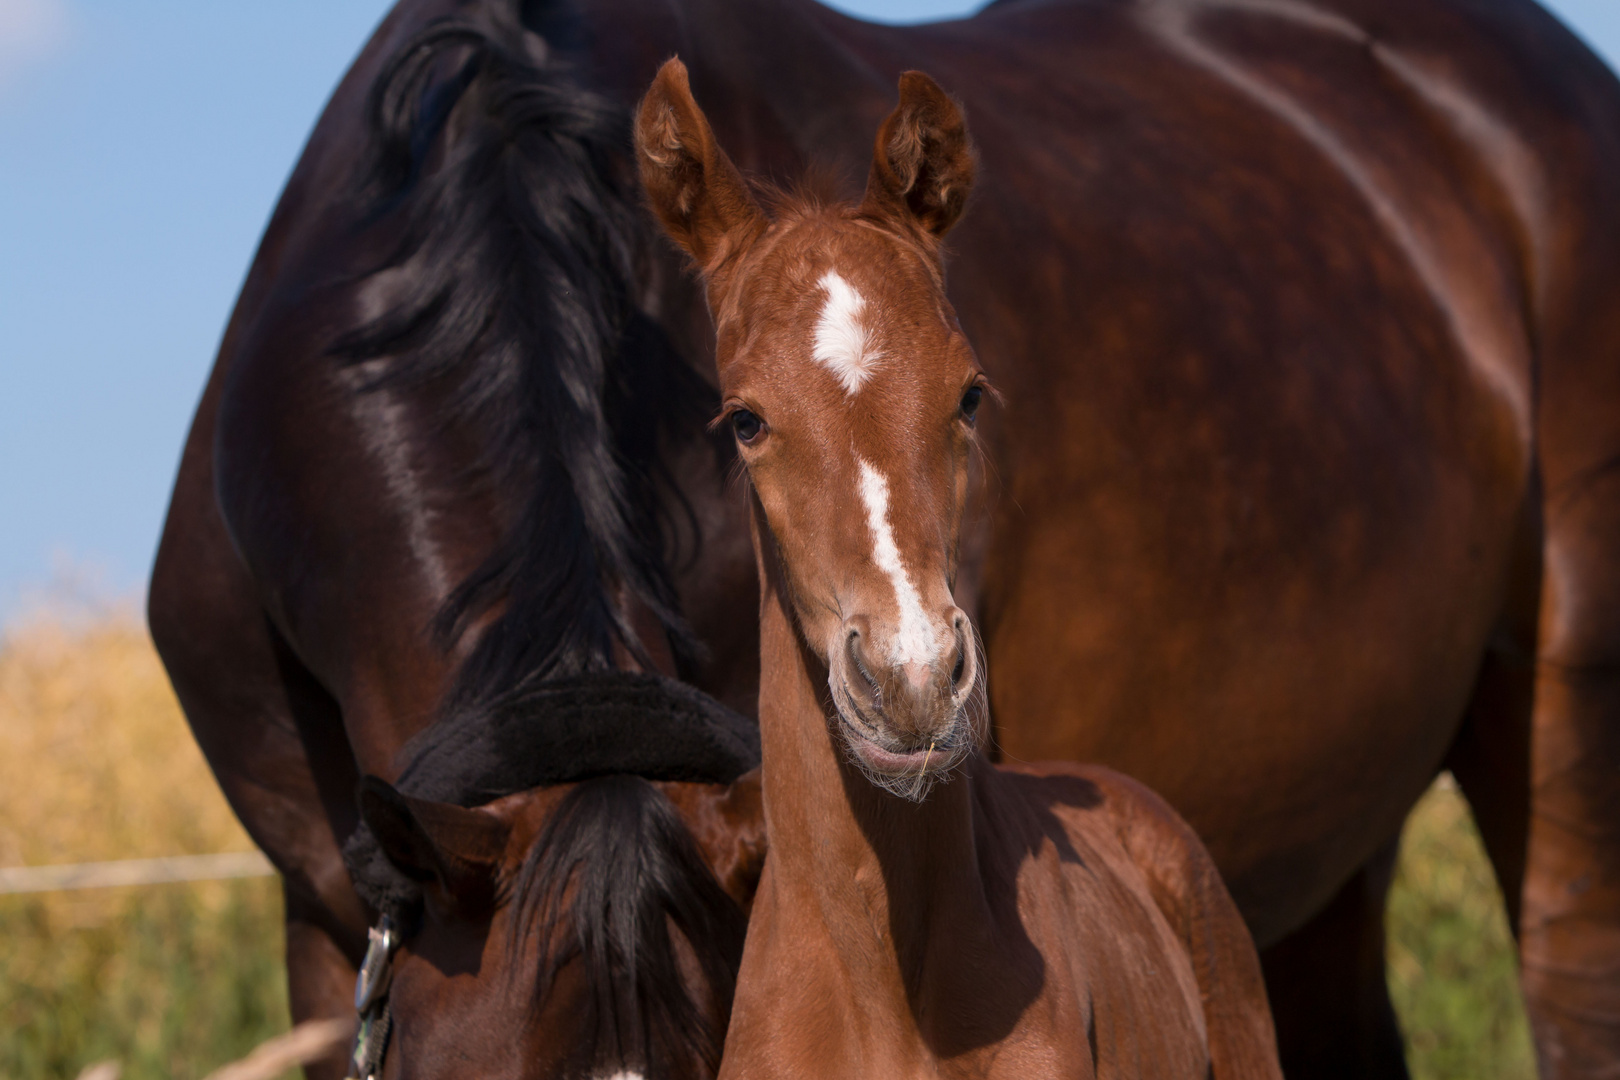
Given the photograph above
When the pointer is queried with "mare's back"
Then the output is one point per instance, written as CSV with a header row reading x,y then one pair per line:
x,y
1256,301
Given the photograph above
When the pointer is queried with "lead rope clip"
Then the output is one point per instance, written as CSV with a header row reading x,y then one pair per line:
x,y
371,1001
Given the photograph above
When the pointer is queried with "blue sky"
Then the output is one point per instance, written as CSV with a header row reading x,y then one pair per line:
x,y
143,146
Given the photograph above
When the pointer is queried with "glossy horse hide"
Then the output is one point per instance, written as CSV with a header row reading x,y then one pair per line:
x,y
430,484
1304,488
923,912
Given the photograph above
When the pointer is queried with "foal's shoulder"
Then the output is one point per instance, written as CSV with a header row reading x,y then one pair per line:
x,y
1182,879
1155,838
1134,807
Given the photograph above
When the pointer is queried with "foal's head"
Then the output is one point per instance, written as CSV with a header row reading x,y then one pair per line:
x,y
851,393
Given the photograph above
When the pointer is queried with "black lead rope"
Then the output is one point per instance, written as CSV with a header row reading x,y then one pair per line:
x,y
371,1002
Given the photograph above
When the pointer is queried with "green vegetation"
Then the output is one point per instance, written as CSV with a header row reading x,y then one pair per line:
x,y
1452,971
96,763
173,981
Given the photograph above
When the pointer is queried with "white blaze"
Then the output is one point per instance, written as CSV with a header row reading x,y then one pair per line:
x,y
915,642
843,345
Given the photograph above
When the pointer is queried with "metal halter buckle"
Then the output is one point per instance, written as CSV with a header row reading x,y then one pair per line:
x,y
377,969
371,1001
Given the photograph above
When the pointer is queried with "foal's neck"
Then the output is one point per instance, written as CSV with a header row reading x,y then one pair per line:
x,y
894,889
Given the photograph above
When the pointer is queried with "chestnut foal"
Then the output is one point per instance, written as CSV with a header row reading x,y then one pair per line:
x,y
922,911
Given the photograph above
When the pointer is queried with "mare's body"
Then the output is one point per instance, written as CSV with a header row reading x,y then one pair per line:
x,y
1304,488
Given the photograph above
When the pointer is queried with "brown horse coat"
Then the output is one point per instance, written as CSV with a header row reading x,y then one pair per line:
x,y
922,912
1303,488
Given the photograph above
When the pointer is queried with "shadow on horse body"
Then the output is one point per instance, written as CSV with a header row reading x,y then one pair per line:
x,y
1305,485
922,912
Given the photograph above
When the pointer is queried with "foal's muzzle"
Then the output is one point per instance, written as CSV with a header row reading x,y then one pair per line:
x,y
906,718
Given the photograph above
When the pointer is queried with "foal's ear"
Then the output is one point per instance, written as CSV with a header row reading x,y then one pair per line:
x,y
922,169
696,191
458,848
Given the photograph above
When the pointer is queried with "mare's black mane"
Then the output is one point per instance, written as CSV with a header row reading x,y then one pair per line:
x,y
521,222
510,296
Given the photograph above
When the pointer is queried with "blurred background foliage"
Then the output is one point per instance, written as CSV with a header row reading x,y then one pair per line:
x,y
96,763
1453,975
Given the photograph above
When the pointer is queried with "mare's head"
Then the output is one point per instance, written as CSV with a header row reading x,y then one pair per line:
x,y
851,392
572,930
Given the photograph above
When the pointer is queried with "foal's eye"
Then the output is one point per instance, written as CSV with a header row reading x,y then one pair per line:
x,y
970,402
746,425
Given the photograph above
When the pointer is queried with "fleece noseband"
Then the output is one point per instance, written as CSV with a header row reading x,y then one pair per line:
x,y
562,731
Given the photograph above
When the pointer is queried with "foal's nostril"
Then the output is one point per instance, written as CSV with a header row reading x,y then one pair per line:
x,y
965,670
859,676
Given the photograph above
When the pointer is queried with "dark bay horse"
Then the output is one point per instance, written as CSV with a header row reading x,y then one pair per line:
x,y
418,538
1305,486
923,912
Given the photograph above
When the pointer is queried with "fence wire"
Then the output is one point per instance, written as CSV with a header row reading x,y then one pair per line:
x,y
102,875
